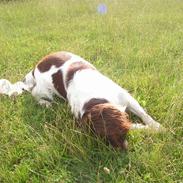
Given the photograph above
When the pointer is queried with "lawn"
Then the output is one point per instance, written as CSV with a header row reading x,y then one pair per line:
x,y
137,43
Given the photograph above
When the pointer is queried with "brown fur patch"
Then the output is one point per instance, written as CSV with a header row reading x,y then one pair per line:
x,y
108,122
59,84
74,67
92,102
57,59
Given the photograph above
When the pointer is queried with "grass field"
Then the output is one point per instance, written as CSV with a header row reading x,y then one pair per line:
x,y
139,44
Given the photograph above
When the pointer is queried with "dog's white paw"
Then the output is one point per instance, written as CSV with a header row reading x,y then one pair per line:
x,y
156,126
138,126
44,103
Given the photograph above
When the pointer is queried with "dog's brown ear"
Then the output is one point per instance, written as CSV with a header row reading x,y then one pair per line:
x,y
85,121
86,117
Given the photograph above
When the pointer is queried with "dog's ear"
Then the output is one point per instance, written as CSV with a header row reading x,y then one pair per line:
x,y
86,118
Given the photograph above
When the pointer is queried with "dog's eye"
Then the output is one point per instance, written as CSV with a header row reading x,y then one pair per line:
x,y
23,80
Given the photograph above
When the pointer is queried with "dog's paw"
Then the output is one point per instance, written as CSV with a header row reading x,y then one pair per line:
x,y
45,103
156,126
138,126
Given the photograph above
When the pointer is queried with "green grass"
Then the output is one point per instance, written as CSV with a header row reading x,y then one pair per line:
x,y
139,44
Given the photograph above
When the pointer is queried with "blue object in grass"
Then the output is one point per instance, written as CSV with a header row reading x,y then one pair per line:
x,y
102,8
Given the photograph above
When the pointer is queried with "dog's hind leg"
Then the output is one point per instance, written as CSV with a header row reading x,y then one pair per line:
x,y
134,107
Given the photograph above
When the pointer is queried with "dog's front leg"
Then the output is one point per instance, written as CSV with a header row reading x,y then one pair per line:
x,y
44,97
44,102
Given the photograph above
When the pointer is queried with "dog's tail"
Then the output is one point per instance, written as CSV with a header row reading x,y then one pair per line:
x,y
106,120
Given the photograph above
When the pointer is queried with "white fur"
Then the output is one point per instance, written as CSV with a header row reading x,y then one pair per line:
x,y
88,84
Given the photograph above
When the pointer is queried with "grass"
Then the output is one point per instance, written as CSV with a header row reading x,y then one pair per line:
x,y
139,44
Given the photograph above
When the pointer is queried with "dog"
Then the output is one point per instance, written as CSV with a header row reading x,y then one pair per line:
x,y
95,100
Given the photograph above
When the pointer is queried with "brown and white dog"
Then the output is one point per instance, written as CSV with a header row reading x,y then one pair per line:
x,y
94,98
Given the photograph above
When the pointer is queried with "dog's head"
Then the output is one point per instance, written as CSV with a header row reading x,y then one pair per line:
x,y
29,81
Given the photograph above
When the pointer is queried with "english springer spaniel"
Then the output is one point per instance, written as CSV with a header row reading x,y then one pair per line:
x,y
95,100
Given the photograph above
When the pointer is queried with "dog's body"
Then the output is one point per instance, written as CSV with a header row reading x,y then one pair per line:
x,y
91,95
